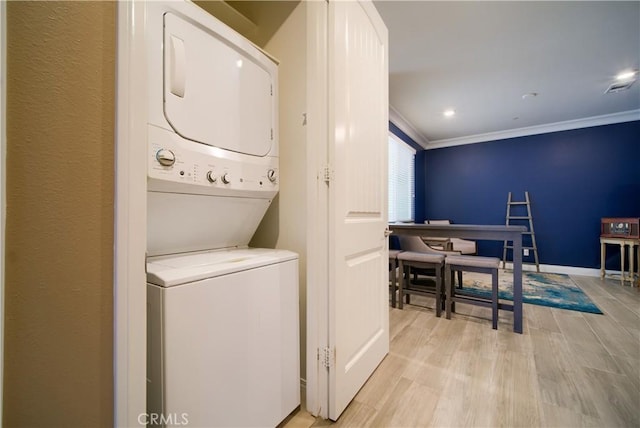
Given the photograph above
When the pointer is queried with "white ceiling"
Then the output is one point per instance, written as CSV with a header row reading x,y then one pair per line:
x,y
480,58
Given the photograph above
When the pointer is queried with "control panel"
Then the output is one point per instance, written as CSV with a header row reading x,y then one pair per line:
x,y
175,164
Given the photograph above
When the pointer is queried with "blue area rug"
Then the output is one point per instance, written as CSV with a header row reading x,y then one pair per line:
x,y
545,289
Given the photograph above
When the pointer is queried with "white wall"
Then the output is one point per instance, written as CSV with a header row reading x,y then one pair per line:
x,y
298,218
285,226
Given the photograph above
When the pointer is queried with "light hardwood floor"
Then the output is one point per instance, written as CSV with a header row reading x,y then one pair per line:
x,y
567,369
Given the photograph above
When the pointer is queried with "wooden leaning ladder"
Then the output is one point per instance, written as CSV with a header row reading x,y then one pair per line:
x,y
518,220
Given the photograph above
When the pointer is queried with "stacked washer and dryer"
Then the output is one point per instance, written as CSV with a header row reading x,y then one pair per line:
x,y
222,317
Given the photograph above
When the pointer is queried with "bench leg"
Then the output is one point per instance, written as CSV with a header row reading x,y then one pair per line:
x,y
448,281
438,291
453,287
494,298
394,281
415,279
401,284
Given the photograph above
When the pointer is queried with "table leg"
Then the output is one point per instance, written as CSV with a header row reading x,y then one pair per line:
x,y
638,281
517,284
622,264
603,258
631,254
448,285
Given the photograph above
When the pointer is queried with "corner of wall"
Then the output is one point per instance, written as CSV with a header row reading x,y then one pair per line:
x,y
285,224
3,91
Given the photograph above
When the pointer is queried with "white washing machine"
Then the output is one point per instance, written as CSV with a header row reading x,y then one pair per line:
x,y
223,334
223,341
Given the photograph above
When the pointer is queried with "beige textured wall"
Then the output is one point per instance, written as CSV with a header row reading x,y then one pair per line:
x,y
59,230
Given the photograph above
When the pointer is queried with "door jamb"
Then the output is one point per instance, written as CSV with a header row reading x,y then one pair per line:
x,y
317,376
130,219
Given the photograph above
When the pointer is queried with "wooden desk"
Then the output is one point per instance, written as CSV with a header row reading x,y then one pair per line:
x,y
481,232
631,243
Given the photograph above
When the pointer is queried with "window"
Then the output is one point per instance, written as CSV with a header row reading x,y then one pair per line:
x,y
401,180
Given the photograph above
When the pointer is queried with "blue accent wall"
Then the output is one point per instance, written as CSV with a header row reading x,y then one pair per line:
x,y
574,178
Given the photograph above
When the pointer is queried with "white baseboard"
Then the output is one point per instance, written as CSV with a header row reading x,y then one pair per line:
x,y
568,270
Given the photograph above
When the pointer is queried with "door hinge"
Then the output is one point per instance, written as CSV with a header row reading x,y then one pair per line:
x,y
327,356
271,134
327,176
271,90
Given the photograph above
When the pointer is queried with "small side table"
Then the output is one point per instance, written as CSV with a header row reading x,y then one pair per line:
x,y
631,243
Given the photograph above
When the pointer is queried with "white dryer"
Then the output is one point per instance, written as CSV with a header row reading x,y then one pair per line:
x,y
223,346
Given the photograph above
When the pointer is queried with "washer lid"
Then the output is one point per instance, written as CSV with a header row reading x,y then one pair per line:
x,y
219,90
168,271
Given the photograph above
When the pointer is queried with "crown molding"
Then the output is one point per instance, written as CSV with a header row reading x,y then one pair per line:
x,y
405,126
626,116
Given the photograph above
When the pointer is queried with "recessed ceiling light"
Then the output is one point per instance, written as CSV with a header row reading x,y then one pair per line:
x,y
627,75
449,113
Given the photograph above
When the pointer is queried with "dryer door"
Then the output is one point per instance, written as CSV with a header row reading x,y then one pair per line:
x,y
218,92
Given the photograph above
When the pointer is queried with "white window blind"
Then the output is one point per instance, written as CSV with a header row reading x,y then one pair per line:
x,y
401,180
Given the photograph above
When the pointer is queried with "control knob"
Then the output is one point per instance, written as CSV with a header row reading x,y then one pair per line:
x,y
226,178
211,177
271,175
165,157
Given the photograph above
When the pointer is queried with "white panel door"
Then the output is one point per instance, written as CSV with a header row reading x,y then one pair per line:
x,y
358,251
